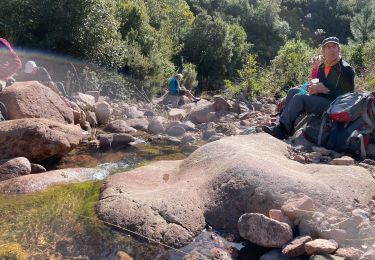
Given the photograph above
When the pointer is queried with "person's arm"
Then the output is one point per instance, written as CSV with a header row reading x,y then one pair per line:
x,y
10,63
346,83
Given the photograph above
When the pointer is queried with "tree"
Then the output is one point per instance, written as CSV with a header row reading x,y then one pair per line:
x,y
215,47
363,24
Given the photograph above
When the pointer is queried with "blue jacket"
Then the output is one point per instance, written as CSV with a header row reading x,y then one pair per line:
x,y
174,86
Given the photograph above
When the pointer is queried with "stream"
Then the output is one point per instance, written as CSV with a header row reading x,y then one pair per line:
x,y
60,222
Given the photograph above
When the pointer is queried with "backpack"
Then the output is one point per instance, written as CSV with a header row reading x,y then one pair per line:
x,y
346,125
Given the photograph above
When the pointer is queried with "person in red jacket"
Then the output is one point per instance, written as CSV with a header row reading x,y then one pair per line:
x,y
9,63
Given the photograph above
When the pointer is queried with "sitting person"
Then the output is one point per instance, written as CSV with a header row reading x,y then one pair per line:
x,y
336,77
9,63
175,88
33,72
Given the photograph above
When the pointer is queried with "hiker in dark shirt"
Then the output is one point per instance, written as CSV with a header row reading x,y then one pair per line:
x,y
336,77
33,72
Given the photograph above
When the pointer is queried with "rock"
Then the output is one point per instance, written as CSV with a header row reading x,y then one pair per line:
x,y
119,126
15,167
132,113
36,182
202,113
33,100
217,253
326,257
37,139
149,113
220,104
94,93
107,141
37,168
264,231
121,255
320,246
345,160
156,125
275,254
349,253
138,123
278,215
369,255
221,180
338,235
176,114
85,102
188,138
164,140
103,112
91,118
297,206
296,247
176,131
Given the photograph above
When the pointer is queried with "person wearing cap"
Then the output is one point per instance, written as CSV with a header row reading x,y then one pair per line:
x,y
336,77
175,88
10,63
33,72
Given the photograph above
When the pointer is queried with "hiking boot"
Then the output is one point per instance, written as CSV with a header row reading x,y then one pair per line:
x,y
195,99
277,131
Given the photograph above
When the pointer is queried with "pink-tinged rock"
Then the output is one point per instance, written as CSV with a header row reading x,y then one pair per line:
x,y
345,160
31,99
369,255
138,123
320,246
37,168
156,125
263,231
220,104
36,182
349,253
85,102
103,111
278,215
176,114
119,126
37,139
297,206
94,93
15,167
296,247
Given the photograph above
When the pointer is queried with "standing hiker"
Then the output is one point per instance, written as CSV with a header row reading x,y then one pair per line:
x,y
336,77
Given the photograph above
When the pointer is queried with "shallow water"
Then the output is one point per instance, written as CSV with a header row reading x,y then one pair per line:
x,y
60,222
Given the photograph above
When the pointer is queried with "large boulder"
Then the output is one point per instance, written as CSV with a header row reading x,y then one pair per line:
x,y
37,139
14,167
172,201
33,100
36,182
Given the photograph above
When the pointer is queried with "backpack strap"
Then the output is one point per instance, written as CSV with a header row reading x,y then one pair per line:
x,y
359,135
365,115
322,124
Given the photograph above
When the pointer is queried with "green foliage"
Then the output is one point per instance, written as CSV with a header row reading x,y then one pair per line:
x,y
249,80
291,66
318,19
189,76
215,46
363,24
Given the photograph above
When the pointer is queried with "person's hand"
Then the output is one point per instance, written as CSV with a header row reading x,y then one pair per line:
x,y
318,88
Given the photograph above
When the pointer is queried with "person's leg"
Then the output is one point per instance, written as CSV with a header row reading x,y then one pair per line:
x,y
299,104
290,95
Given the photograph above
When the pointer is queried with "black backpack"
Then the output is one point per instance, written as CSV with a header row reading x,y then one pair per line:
x,y
346,126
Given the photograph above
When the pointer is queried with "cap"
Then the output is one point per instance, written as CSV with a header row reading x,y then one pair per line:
x,y
29,66
179,76
330,40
